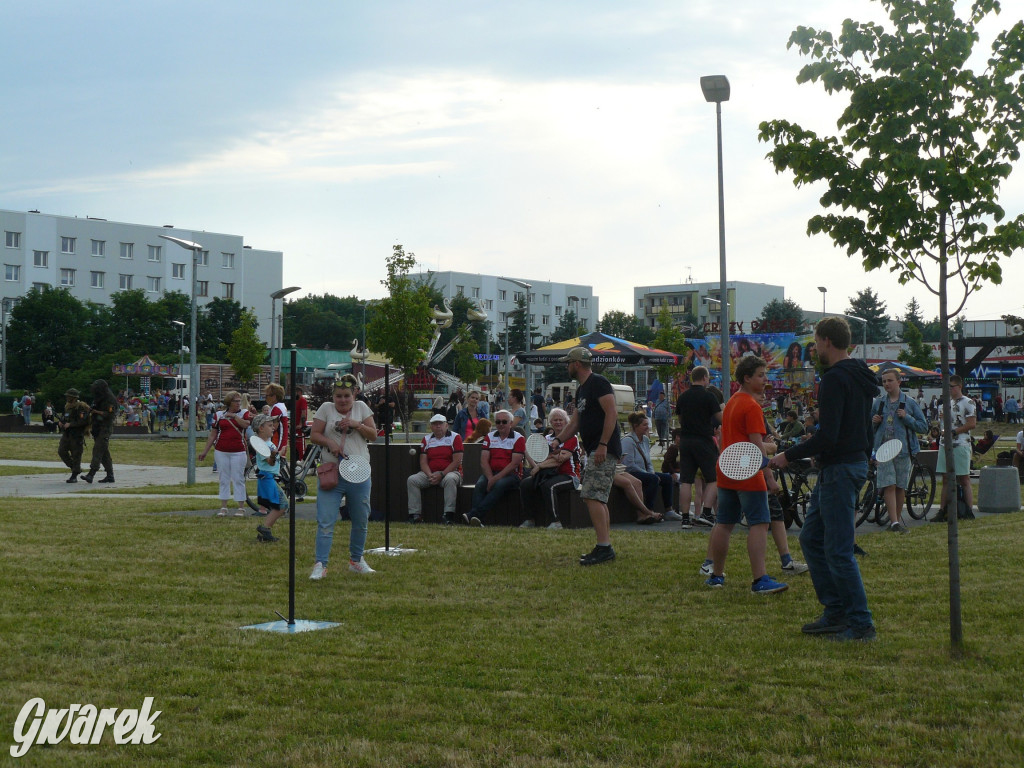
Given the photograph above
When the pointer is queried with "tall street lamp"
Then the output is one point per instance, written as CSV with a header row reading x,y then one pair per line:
x,y
529,329
275,347
823,290
716,89
193,373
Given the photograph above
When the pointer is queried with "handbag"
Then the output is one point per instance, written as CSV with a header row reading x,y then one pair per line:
x,y
327,475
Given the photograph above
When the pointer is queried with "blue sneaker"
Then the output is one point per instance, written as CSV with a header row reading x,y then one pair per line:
x,y
715,581
766,585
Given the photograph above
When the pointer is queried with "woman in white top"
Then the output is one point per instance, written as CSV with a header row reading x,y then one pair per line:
x,y
342,427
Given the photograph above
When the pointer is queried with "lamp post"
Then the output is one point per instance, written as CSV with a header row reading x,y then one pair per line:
x,y
193,375
823,290
529,333
864,350
275,346
507,316
362,345
716,89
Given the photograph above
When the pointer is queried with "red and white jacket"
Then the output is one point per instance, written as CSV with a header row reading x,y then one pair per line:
x,y
502,450
441,450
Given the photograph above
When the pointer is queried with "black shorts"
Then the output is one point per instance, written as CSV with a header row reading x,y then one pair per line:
x,y
697,453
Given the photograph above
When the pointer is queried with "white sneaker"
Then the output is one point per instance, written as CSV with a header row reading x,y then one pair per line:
x,y
795,566
360,566
555,526
673,515
528,524
318,572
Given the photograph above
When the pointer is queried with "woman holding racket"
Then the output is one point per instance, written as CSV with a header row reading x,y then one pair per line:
x,y
559,471
342,427
743,422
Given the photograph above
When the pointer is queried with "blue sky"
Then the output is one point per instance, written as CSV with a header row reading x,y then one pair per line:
x,y
559,140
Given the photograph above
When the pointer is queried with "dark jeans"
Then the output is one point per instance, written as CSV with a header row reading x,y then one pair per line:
x,y
827,539
651,482
484,501
539,495
661,425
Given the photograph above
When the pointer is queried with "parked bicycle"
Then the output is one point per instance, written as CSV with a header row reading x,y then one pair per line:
x,y
796,482
920,495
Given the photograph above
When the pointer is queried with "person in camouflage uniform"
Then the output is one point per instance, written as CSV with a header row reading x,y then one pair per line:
x,y
104,410
73,423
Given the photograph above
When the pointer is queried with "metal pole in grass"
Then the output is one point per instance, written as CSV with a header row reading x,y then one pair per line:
x,y
292,625
387,549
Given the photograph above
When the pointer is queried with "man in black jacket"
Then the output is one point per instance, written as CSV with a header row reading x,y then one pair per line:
x,y
841,446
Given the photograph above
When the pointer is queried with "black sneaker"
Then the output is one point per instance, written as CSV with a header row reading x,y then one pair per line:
x,y
465,518
598,555
447,518
824,626
855,634
415,519
264,534
707,520
107,479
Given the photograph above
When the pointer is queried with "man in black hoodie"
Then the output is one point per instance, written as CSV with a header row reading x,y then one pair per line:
x,y
841,446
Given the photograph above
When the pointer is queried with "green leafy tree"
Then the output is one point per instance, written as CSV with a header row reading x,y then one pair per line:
x,y
246,352
931,330
1011,321
464,364
917,352
326,321
868,305
48,328
781,317
629,327
217,322
402,324
913,317
671,338
912,180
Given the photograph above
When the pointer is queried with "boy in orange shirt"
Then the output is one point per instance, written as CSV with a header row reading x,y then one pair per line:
x,y
743,421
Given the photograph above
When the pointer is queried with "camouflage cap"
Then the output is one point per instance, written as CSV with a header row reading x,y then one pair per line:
x,y
577,354
71,393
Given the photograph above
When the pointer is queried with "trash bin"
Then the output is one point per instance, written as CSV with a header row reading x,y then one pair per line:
x,y
999,490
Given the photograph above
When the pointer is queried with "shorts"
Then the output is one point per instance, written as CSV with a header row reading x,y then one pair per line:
x,y
268,495
895,472
961,460
734,505
597,479
697,453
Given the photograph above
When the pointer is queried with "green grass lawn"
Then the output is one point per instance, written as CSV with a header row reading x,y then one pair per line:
x,y
150,452
494,648
6,471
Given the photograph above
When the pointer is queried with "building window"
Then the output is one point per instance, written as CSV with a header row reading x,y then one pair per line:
x,y
99,247
227,261
153,284
533,319
202,288
125,282
67,276
96,279
40,258
583,303
228,290
12,273
476,293
178,271
558,311
518,296
204,259
503,317
639,303
12,239
545,319
460,290
154,252
67,245
488,303
40,286
502,296
533,298
127,250
545,299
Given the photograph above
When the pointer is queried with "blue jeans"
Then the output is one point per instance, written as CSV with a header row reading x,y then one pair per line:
x,y
651,482
484,501
827,540
357,497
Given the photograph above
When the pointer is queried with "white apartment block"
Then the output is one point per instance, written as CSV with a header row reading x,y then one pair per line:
x,y
498,296
746,300
95,258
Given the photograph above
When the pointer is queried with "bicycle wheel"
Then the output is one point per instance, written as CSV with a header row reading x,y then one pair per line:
x,y
250,474
785,498
921,492
866,501
803,495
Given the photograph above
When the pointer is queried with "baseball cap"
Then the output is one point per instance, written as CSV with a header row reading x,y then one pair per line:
x,y
438,417
577,354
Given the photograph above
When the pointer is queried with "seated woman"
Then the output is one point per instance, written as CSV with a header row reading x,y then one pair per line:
x,y
983,445
633,488
934,436
636,455
560,471
483,426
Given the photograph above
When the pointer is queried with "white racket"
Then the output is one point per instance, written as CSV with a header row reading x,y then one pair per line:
x,y
741,461
260,446
354,469
537,447
888,451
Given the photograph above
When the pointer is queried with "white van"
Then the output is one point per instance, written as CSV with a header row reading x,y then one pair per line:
x,y
625,400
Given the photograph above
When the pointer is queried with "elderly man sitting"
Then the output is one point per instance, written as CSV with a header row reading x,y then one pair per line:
x,y
501,462
440,464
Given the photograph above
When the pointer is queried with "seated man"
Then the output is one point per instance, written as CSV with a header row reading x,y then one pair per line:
x,y
791,428
440,464
501,462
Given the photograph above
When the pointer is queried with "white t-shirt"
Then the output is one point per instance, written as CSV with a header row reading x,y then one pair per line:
x,y
960,411
1020,440
355,445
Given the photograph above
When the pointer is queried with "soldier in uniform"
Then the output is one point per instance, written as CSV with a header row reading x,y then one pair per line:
x,y
104,409
73,423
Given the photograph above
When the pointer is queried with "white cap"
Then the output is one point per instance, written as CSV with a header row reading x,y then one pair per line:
x,y
438,417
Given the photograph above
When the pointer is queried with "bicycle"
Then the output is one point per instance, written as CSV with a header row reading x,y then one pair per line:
x,y
795,492
302,468
920,495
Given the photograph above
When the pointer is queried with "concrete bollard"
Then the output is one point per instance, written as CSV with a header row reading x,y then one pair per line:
x,y
999,490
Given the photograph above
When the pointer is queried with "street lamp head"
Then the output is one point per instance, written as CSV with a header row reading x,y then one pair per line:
x,y
715,88
178,323
711,300
284,292
187,244
823,289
